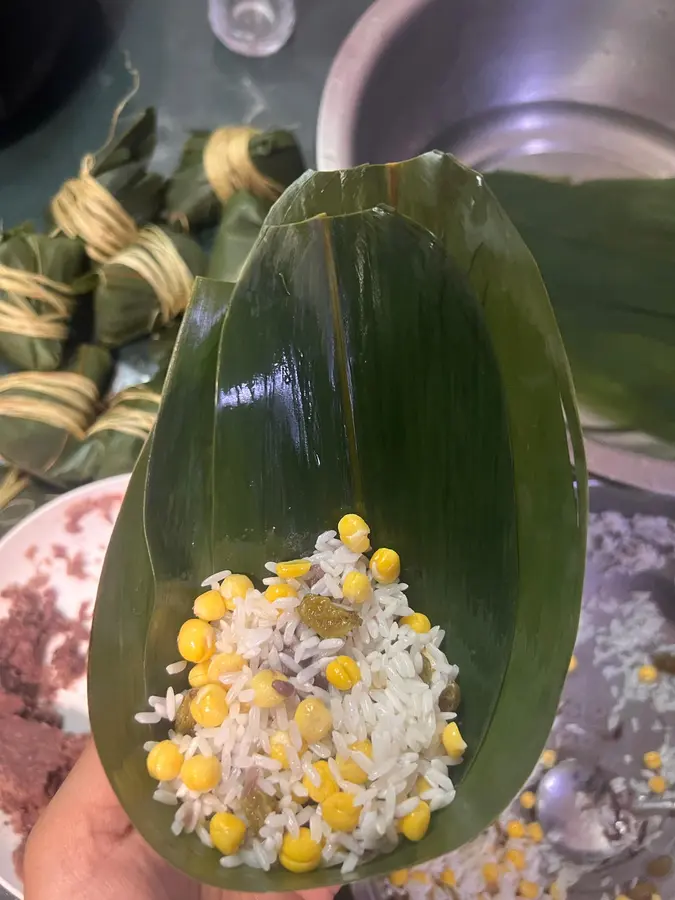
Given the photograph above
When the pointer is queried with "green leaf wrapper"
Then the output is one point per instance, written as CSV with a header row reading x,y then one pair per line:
x,y
58,258
126,306
238,231
388,348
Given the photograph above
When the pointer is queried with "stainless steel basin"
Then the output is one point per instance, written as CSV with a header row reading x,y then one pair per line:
x,y
581,87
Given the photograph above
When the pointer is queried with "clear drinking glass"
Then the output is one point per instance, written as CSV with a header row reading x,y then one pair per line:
x,y
252,27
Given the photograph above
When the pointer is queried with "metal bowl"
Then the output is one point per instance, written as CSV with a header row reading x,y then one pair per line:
x,y
572,89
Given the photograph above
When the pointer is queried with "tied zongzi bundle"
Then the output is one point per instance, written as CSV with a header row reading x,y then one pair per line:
x,y
113,193
113,443
43,415
238,231
145,286
38,291
215,165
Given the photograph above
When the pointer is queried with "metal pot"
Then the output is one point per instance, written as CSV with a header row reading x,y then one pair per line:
x,y
574,88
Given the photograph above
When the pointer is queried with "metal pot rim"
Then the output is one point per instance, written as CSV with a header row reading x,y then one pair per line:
x,y
349,75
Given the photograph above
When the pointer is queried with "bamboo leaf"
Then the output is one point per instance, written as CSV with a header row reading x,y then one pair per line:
x,y
358,366
238,231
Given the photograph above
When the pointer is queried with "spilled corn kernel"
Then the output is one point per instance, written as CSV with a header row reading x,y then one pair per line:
x,y
454,743
235,587
224,664
652,759
515,829
648,674
354,531
516,858
351,771
164,761
421,785
399,878
265,694
491,873
528,889
416,824
227,832
196,640
209,707
528,800
343,673
448,878
535,832
356,587
279,743
573,664
278,591
657,784
314,719
420,877
548,758
300,854
327,786
417,621
198,675
209,606
385,565
294,568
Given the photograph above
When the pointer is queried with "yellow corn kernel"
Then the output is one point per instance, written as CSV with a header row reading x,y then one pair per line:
x,y
300,854
227,832
528,889
354,531
164,761
350,770
196,640
209,606
420,877
277,591
556,893
385,565
618,897
453,741
399,878
535,832
209,707
516,858
314,719
648,674
657,784
328,786
356,587
548,758
491,873
293,568
198,675
339,812
573,663
422,785
224,664
279,743
448,878
343,673
652,759
235,587
416,824
417,621
265,695
200,773
515,829
528,800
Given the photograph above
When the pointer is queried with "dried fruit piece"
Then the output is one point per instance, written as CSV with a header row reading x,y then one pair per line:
x,y
327,618
450,698
184,722
664,662
427,672
256,806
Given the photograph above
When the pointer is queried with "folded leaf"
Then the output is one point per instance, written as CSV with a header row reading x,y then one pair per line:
x,y
403,363
44,414
37,297
238,231
605,251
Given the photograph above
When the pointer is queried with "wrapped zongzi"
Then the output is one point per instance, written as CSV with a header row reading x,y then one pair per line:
x,y
215,165
112,444
145,286
113,193
38,290
43,415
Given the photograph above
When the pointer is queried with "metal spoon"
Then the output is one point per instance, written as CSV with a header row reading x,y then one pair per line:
x,y
585,818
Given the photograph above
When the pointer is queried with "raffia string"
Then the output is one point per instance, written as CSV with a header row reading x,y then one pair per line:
x,y
60,399
12,486
127,419
155,258
19,316
84,208
228,165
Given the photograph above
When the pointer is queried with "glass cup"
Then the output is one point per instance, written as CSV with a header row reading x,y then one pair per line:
x,y
252,27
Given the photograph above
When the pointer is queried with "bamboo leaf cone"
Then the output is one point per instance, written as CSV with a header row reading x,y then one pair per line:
x,y
389,348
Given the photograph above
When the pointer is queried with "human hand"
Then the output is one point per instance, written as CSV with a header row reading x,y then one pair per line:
x,y
85,848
